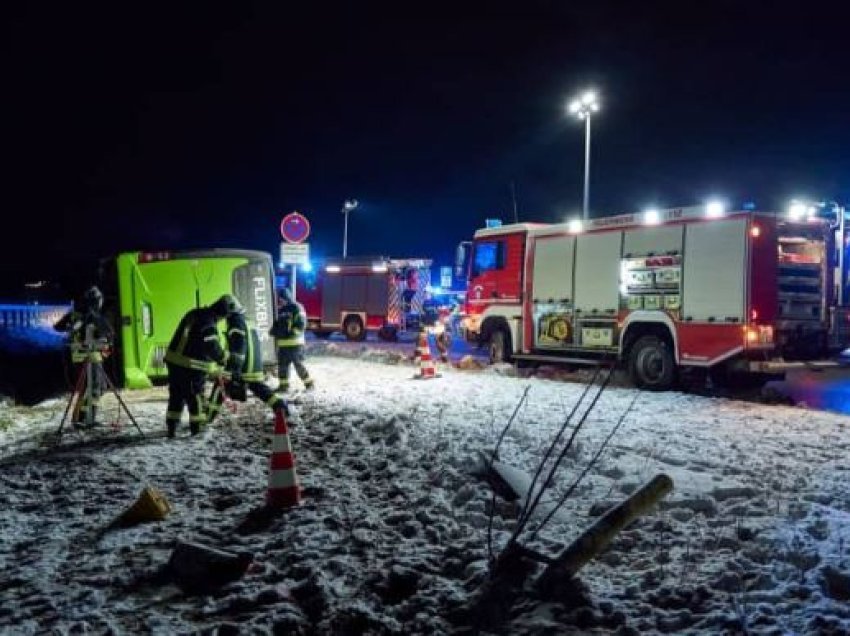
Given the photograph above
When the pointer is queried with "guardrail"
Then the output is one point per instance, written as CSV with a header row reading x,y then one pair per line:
x,y
21,316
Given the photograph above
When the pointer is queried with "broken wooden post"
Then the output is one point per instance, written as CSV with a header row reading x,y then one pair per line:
x,y
491,605
596,538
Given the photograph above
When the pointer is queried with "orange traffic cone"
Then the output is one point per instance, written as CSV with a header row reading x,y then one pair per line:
x,y
427,366
283,481
421,346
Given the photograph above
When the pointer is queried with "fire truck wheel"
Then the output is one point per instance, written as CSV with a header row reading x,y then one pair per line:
x,y
353,328
651,364
499,347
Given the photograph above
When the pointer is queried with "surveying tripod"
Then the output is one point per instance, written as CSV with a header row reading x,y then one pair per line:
x,y
91,381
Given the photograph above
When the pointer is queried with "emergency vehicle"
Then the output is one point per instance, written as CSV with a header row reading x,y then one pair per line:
x,y
358,295
147,293
696,288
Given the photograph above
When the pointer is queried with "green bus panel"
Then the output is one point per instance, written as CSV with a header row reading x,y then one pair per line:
x,y
154,295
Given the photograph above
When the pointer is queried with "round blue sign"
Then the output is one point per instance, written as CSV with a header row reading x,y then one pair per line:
x,y
295,228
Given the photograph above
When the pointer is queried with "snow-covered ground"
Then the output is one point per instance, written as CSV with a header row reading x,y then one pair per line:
x,y
391,535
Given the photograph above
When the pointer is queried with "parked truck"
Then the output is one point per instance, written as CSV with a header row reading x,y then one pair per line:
x,y
687,288
358,295
147,293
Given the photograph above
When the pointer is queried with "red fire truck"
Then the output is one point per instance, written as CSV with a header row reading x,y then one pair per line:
x,y
699,288
358,295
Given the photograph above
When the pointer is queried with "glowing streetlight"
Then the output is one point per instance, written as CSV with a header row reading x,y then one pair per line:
x,y
347,207
583,107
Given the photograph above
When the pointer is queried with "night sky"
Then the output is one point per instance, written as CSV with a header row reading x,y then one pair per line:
x,y
190,125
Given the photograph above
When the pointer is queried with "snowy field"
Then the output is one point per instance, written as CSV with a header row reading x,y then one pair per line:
x,y
391,535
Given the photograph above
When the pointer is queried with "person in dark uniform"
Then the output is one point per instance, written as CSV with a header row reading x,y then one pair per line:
x,y
193,354
90,339
288,331
244,365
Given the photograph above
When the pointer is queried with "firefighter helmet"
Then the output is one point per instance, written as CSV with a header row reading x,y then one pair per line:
x,y
227,305
93,299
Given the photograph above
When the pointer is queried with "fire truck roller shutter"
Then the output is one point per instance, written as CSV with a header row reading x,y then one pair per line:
x,y
552,290
715,271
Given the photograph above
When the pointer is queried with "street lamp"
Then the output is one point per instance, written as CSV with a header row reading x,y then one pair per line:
x,y
347,207
583,107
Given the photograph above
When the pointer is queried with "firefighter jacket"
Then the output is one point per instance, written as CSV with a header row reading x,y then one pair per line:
x,y
288,329
246,353
83,324
196,344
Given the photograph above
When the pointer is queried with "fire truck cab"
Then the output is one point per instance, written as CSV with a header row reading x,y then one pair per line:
x,y
663,291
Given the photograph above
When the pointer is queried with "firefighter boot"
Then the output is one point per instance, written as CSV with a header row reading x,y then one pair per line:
x,y
171,429
309,384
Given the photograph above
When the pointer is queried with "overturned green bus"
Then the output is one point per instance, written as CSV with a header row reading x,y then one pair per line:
x,y
147,293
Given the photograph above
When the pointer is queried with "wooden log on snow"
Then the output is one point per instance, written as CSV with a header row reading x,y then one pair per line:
x,y
596,538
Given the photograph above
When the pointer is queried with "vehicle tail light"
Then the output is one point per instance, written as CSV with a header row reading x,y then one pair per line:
x,y
151,257
758,335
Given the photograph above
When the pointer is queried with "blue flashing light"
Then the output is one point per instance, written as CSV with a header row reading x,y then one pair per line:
x,y
307,266
492,223
749,205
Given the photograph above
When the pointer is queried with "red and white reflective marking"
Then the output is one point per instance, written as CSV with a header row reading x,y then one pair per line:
x,y
427,367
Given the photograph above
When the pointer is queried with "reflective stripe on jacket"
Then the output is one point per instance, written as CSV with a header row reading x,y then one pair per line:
x,y
245,349
288,329
196,344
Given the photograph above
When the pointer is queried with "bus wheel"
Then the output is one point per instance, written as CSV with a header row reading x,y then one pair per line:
x,y
353,328
499,348
651,364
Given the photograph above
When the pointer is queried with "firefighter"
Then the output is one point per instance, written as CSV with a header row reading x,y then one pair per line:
x,y
288,332
244,365
91,337
194,354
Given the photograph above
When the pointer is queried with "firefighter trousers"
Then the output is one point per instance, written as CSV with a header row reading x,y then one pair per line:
x,y
90,391
258,389
288,357
185,388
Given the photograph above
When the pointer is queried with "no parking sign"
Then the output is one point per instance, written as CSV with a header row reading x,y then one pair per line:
x,y
295,228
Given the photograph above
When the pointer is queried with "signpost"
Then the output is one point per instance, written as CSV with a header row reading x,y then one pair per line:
x,y
446,277
294,229
294,253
